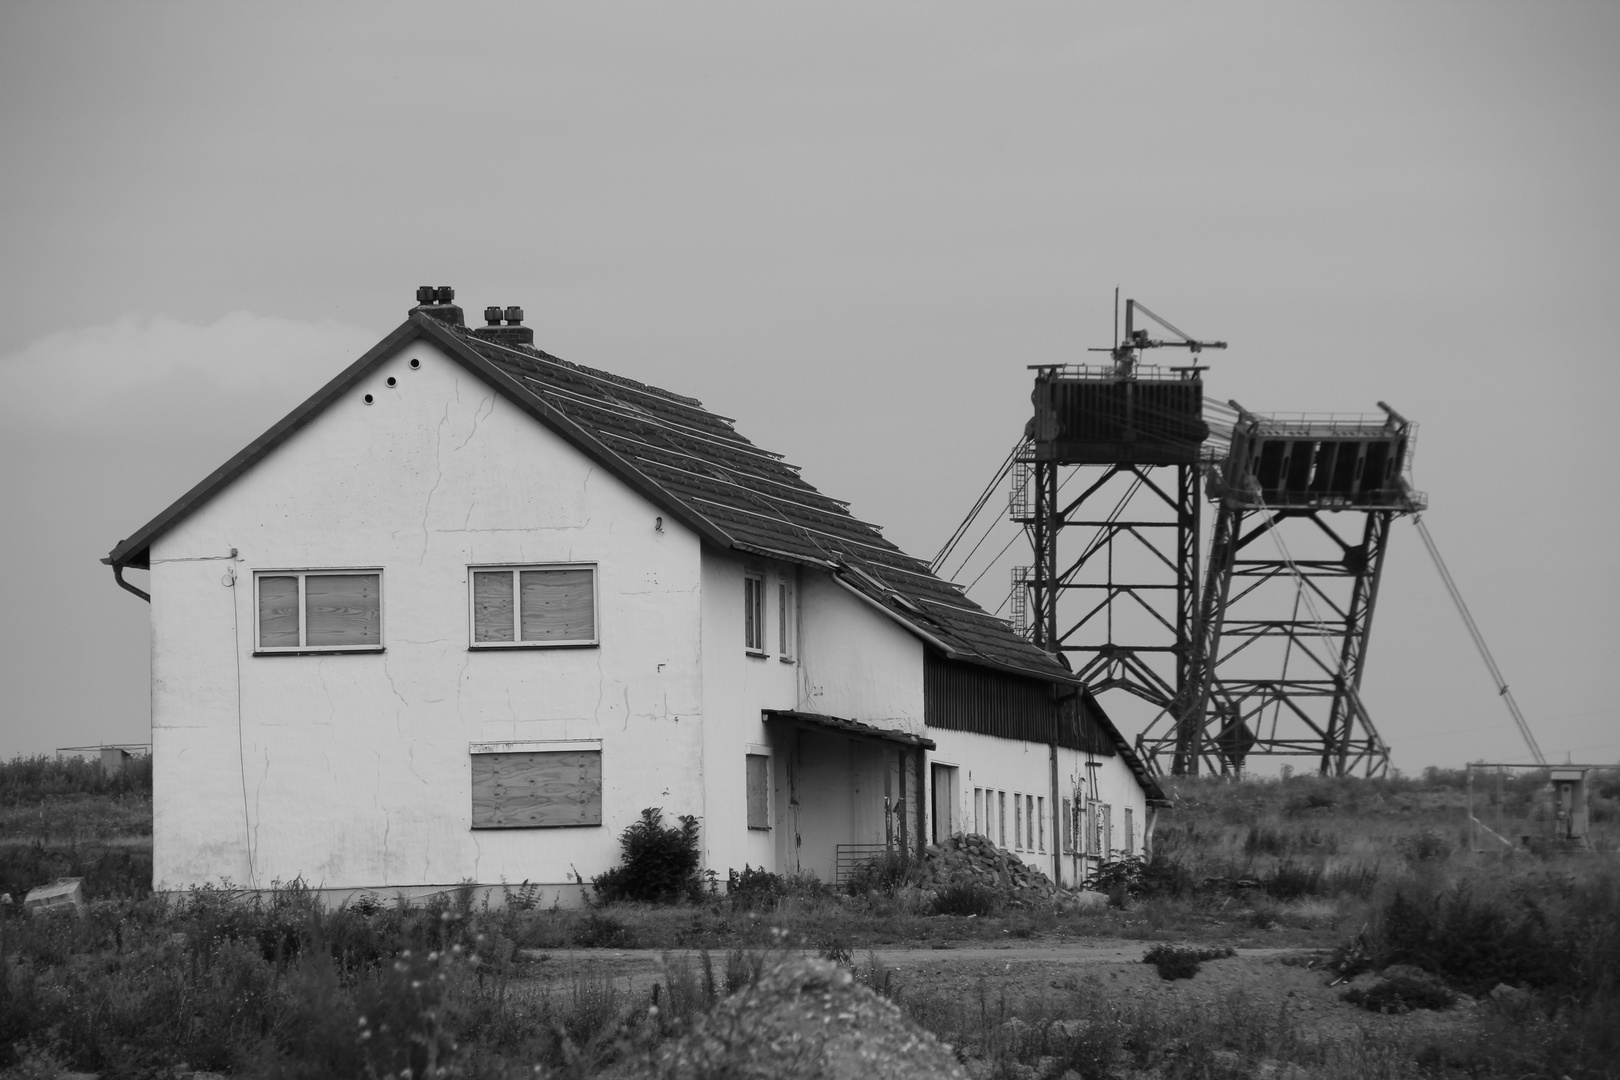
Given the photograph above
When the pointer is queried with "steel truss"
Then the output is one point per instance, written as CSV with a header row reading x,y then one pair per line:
x,y
1119,599
1286,684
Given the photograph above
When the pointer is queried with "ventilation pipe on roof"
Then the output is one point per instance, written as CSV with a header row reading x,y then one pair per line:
x,y
513,333
438,302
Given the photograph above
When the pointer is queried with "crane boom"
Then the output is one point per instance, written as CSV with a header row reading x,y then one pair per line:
x,y
1479,640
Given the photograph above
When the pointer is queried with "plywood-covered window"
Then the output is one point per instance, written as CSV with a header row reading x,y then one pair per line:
x,y
528,789
533,606
754,612
759,791
1018,821
1067,825
317,610
1040,823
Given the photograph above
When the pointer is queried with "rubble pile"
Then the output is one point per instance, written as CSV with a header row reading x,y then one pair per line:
x,y
973,859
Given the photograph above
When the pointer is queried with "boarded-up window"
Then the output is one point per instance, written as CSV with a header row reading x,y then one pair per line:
x,y
319,609
1130,831
759,791
753,612
538,605
1018,821
523,790
1001,818
1040,824
1068,826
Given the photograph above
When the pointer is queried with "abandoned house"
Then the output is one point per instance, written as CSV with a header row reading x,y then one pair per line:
x,y
470,608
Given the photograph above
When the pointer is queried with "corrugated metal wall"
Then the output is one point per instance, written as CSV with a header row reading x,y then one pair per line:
x,y
965,697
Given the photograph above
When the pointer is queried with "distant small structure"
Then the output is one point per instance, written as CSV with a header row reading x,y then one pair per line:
x,y
114,757
1525,805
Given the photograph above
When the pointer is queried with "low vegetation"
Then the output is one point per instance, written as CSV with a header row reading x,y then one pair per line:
x,y
1371,876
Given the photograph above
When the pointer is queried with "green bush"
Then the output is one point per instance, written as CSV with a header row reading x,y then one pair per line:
x,y
659,864
1177,963
755,890
1474,943
1401,994
25,781
880,874
967,898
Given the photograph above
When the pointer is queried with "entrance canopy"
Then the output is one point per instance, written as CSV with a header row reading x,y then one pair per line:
x,y
848,727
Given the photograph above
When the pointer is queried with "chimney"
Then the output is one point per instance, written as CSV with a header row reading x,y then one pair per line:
x,y
513,333
438,301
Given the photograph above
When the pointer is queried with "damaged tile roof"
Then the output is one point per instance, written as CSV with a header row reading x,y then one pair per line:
x,y
760,503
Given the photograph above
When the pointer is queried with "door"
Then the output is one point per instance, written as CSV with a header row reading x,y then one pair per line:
x,y
943,780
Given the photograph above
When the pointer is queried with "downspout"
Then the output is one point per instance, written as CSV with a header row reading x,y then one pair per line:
x,y
1056,803
118,576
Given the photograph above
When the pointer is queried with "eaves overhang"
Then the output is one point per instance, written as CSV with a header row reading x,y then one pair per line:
x,y
847,727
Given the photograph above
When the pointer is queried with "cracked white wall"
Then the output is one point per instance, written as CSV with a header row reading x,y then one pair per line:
x,y
352,771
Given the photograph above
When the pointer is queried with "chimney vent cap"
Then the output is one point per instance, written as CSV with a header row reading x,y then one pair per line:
x,y
492,315
514,316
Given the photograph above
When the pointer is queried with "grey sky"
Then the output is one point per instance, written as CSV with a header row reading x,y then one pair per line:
x,y
849,227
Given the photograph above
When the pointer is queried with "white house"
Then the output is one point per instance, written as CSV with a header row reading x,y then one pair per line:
x,y
467,610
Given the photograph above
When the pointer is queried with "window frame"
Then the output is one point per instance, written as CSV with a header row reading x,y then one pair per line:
x,y
754,606
516,569
787,616
302,648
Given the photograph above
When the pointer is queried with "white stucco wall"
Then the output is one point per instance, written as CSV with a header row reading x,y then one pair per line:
x,y
1014,766
858,664
352,771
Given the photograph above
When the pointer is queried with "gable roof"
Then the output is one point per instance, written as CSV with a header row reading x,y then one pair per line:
x,y
691,463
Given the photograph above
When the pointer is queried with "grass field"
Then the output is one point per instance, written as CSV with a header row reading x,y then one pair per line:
x,y
1362,873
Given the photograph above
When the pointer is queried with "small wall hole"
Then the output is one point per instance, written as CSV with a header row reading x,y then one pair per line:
x,y
415,363
392,381
368,399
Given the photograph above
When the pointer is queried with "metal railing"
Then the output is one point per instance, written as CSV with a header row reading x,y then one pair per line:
x,y
848,858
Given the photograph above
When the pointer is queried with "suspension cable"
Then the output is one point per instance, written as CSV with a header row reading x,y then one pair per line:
x,y
1479,641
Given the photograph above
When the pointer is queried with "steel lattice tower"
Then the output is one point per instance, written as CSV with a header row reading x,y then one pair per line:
x,y
1288,602
1115,581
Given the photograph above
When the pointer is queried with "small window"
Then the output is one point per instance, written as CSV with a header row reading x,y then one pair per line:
x,y
531,606
1018,821
1130,831
1040,823
759,790
1068,826
786,616
1001,818
544,789
1029,823
318,610
754,612
980,825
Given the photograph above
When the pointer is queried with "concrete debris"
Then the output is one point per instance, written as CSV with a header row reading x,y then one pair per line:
x,y
972,859
63,894
810,1019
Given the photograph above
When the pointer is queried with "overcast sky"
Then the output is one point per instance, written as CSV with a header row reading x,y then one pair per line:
x,y
851,227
